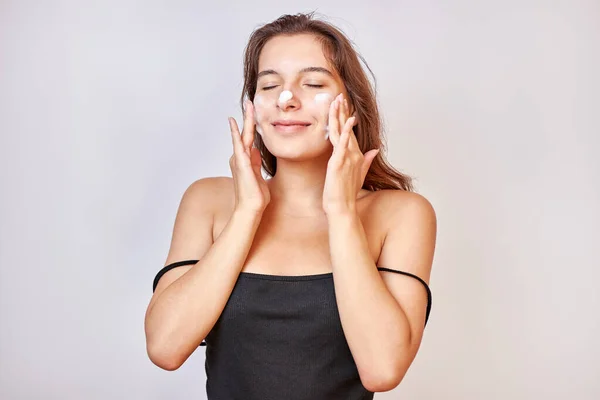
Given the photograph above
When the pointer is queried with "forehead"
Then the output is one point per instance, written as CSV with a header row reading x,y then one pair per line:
x,y
288,54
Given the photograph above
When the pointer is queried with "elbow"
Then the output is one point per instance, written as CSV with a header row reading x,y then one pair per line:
x,y
162,349
168,350
383,382
387,376
164,358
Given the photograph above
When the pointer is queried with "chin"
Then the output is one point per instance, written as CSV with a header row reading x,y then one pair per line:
x,y
310,133
299,148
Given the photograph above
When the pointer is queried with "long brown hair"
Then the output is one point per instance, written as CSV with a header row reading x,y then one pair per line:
x,y
346,60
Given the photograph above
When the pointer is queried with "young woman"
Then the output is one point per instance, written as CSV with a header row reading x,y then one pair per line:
x,y
312,283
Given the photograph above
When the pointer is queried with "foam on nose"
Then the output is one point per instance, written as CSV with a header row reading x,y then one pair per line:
x,y
285,96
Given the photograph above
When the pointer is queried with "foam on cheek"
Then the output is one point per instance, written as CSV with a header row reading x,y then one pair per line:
x,y
323,101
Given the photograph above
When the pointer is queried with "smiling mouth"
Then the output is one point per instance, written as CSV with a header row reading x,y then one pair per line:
x,y
292,124
289,128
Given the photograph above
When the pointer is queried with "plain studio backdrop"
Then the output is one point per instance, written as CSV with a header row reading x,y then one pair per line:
x,y
109,110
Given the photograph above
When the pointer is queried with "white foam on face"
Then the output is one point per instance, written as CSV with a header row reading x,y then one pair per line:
x,y
284,97
323,101
322,98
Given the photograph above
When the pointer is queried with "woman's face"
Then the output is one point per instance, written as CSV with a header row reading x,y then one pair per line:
x,y
294,89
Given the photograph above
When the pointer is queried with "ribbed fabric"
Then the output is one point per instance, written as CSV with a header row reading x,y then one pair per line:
x,y
281,338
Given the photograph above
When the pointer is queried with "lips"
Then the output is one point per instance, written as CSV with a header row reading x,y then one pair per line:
x,y
290,126
291,123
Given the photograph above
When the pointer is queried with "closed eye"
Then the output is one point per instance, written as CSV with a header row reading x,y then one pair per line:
x,y
309,85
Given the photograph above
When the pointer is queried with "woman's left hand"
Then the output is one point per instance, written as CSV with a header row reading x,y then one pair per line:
x,y
347,167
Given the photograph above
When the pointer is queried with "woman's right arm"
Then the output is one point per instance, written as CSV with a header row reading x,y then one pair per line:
x,y
188,300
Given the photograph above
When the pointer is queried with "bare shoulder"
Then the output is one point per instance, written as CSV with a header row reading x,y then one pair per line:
x,y
206,199
400,206
192,231
210,191
410,230
219,191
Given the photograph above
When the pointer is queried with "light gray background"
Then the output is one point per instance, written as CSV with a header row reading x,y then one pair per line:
x,y
110,109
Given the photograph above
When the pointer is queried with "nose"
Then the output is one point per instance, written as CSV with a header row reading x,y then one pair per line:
x,y
287,100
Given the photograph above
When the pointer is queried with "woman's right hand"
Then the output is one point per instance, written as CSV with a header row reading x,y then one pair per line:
x,y
251,190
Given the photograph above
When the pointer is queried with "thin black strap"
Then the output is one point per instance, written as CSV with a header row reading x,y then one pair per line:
x,y
168,268
420,280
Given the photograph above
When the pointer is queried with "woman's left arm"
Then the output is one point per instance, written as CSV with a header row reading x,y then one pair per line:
x,y
383,313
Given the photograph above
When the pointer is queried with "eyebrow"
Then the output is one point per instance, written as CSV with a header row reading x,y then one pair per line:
x,y
302,71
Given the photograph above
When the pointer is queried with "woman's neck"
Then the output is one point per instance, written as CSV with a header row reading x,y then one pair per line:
x,y
298,186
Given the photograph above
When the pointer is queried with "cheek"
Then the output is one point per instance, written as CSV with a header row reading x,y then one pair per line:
x,y
262,107
322,101
258,112
258,107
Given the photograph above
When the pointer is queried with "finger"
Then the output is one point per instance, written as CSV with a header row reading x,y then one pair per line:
x,y
352,144
338,110
241,158
343,110
352,141
333,127
248,131
344,137
238,146
368,160
256,160
344,118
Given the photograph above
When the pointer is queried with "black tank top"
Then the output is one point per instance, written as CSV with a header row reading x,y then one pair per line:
x,y
280,337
